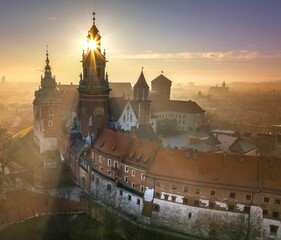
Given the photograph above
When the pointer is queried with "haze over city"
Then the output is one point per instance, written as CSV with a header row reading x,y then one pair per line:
x,y
205,42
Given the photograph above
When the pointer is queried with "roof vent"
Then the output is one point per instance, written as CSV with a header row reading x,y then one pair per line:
x,y
139,157
146,159
131,155
102,143
113,147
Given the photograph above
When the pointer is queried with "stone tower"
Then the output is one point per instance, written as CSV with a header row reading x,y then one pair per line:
x,y
46,111
93,87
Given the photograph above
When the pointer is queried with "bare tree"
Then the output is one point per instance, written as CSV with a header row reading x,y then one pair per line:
x,y
5,140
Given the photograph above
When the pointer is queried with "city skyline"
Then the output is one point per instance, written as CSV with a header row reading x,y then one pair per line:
x,y
191,41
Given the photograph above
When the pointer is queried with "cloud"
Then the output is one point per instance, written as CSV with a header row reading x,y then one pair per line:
x,y
52,18
220,56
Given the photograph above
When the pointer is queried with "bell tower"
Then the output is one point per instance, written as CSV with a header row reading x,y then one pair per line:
x,y
93,86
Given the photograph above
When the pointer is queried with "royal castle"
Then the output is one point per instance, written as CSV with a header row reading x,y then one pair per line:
x,y
107,134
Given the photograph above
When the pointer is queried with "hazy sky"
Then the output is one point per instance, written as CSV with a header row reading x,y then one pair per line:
x,y
203,41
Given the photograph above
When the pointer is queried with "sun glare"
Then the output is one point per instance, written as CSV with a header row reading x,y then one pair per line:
x,y
92,44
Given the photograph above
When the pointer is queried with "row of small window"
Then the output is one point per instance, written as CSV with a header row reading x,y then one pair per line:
x,y
212,192
171,115
129,197
133,186
126,169
274,213
267,200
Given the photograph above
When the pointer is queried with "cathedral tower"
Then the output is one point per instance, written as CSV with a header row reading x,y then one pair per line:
x,y
46,111
93,86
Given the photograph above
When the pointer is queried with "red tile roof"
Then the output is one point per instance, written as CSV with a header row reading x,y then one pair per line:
x,y
207,168
141,153
271,174
112,143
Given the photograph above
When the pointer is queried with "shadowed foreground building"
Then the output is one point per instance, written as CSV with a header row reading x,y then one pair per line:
x,y
200,193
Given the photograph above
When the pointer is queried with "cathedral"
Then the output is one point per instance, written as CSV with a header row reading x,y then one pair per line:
x,y
97,104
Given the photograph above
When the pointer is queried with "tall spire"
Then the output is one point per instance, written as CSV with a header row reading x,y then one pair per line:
x,y
94,18
47,67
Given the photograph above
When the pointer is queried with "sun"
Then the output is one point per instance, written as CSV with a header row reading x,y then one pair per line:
x,y
92,44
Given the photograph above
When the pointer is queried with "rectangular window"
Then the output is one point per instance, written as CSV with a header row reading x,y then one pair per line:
x,y
126,169
100,158
100,168
157,194
273,230
184,201
142,176
126,179
275,214
231,207
248,196
129,197
266,200
232,195
211,205
50,123
109,162
156,207
138,201
115,164
185,189
133,173
174,198
142,188
277,201
109,173
133,185
213,193
166,196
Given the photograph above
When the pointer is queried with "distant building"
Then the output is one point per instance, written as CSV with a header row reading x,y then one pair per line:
x,y
219,92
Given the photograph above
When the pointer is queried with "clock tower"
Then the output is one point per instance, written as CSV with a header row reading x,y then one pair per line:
x,y
93,88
